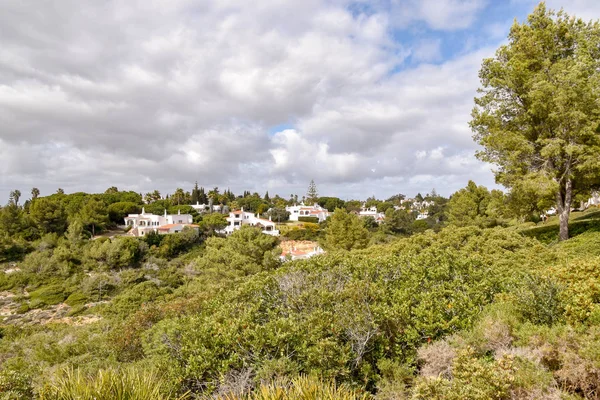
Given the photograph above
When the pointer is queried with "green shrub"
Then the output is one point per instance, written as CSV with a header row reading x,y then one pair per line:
x,y
15,385
314,220
47,296
23,308
76,299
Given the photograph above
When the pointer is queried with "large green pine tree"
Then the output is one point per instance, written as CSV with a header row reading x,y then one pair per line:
x,y
538,113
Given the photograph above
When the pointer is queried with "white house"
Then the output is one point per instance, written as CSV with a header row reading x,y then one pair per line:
x,y
240,218
303,210
205,207
422,215
371,212
593,201
144,223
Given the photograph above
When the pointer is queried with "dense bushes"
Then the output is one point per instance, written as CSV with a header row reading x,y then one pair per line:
x,y
335,316
463,313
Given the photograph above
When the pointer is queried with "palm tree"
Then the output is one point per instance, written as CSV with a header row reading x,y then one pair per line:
x,y
179,196
15,195
35,192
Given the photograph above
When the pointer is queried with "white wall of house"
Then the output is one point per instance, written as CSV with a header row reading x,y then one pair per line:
x,y
240,218
142,224
303,210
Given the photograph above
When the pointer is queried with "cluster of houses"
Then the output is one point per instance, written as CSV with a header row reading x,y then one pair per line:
x,y
144,223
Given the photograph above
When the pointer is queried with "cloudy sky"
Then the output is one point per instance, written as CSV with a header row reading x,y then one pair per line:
x,y
364,97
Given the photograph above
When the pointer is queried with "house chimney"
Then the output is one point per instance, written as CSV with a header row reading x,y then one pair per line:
x,y
270,218
178,212
143,210
242,209
165,213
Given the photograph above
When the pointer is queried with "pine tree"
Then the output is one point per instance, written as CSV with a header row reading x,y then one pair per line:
x,y
311,194
195,194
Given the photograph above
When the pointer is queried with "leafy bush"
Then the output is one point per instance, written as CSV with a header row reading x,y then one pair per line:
x,y
15,385
335,316
76,299
314,220
47,296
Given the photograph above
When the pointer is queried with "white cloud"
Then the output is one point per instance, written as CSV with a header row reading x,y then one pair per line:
x,y
159,94
437,14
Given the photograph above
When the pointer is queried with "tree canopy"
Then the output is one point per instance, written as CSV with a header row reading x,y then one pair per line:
x,y
538,114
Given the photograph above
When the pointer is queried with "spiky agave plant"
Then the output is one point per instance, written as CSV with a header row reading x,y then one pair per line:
x,y
108,384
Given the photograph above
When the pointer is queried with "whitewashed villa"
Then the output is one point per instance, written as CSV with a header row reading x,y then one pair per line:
x,y
240,218
144,223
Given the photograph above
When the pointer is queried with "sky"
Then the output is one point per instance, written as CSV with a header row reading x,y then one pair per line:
x,y
365,97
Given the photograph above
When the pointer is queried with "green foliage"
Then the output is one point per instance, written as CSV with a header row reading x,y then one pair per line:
x,y
108,384
213,223
173,244
537,117
398,222
49,215
246,251
345,232
475,206
335,316
331,203
76,299
314,220
15,385
121,252
118,211
312,194
550,233
278,214
47,296
93,214
472,379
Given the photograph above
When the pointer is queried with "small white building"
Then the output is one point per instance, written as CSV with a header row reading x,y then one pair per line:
x,y
594,201
371,212
303,210
205,207
240,218
422,215
144,223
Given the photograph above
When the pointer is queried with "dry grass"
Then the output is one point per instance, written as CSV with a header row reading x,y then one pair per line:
x,y
438,358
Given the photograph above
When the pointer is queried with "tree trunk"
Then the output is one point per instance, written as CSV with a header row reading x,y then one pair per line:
x,y
563,208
